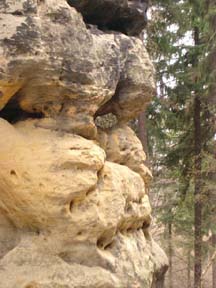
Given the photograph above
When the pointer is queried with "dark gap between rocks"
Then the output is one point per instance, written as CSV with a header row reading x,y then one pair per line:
x,y
129,17
13,113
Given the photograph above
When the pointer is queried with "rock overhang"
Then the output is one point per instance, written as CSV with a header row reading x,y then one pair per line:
x,y
61,60
128,17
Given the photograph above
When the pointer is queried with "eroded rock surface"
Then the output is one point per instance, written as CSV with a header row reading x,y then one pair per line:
x,y
53,66
122,146
74,209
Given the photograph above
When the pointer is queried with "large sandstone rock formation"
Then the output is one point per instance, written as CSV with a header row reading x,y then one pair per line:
x,y
74,209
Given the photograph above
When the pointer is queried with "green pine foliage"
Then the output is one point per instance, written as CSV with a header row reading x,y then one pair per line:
x,y
184,69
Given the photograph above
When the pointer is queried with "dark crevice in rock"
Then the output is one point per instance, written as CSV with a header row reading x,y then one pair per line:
x,y
18,13
128,17
146,225
105,240
112,106
13,113
13,173
71,205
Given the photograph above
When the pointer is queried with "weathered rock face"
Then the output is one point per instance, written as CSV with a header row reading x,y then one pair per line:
x,y
123,147
52,65
74,211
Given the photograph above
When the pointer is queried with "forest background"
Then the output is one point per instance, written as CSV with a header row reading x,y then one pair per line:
x,y
178,134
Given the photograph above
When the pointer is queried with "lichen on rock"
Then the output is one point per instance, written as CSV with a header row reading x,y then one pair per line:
x,y
74,207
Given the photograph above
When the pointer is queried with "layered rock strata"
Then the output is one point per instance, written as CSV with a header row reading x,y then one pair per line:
x,y
74,211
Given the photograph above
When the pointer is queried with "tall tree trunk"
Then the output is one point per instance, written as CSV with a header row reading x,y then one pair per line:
x,y
142,131
212,96
197,195
197,180
170,255
214,262
211,8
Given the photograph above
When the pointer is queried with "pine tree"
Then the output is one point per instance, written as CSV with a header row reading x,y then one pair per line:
x,y
180,121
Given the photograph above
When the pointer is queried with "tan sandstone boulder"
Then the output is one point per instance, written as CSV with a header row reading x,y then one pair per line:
x,y
122,146
53,66
74,209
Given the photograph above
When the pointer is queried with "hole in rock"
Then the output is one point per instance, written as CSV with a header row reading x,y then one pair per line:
x,y
13,173
71,205
100,243
103,242
17,13
145,225
13,113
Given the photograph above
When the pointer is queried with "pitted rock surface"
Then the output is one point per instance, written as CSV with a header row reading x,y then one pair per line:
x,y
53,66
74,207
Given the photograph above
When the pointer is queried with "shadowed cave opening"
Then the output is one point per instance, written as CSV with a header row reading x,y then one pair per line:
x,y
13,113
129,19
